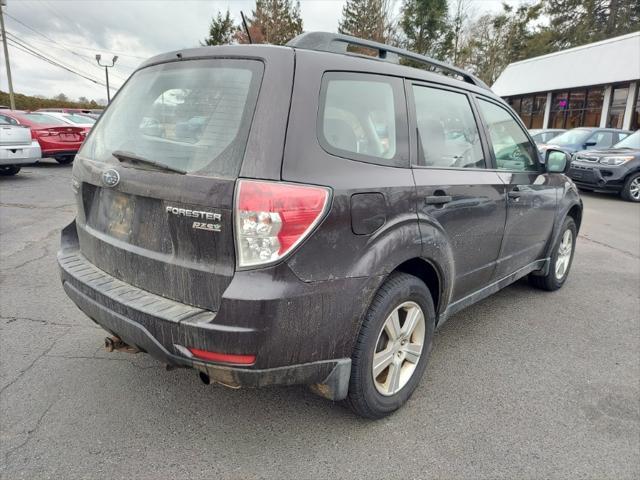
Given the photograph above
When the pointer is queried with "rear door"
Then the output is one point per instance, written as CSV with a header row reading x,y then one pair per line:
x,y
456,192
157,174
531,197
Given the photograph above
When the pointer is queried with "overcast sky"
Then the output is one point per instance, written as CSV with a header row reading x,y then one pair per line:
x,y
72,32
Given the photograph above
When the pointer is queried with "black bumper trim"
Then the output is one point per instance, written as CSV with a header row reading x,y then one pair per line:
x,y
330,377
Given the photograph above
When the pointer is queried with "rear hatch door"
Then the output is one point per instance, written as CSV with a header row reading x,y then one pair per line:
x,y
155,179
15,135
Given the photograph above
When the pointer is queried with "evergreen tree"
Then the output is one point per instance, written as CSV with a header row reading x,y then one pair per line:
x,y
426,27
578,22
272,21
495,41
221,30
367,19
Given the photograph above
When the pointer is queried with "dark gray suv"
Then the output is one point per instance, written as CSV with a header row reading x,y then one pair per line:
x,y
308,215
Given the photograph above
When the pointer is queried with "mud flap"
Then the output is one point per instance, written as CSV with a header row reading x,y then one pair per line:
x,y
336,385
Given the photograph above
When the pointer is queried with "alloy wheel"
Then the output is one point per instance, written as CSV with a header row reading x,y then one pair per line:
x,y
564,254
398,349
634,189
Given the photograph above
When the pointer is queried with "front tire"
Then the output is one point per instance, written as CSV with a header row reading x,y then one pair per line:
x,y
561,259
393,347
631,190
9,170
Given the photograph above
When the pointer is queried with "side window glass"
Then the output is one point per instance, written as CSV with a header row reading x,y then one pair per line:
x,y
600,140
358,118
4,120
448,132
511,147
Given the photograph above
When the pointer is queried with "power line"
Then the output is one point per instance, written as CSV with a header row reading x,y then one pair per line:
x,y
24,48
36,50
73,46
53,43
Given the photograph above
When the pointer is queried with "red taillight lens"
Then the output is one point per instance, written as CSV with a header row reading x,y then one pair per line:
x,y
272,218
231,358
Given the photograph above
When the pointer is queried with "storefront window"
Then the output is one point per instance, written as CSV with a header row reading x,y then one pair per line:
x,y
618,104
594,107
577,99
635,121
559,106
537,115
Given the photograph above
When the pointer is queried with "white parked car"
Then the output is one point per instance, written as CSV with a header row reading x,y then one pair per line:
x,y
16,146
75,119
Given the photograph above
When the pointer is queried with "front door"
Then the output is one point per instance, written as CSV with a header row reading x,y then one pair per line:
x,y
456,193
531,198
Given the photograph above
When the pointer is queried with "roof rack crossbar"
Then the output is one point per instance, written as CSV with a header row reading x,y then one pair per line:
x,y
338,43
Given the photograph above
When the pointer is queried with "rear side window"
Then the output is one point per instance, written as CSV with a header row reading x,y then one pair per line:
x,y
511,147
448,131
192,115
361,118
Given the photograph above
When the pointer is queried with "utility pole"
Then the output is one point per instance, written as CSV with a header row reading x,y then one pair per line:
x,y
106,72
12,100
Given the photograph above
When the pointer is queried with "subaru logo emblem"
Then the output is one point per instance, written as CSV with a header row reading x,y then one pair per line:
x,y
110,177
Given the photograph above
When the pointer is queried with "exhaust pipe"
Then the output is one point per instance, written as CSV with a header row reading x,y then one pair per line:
x,y
204,378
112,344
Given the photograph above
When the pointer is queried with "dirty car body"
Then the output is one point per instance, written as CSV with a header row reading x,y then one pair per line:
x,y
256,255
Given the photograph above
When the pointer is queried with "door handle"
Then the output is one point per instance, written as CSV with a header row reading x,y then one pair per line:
x,y
515,193
437,199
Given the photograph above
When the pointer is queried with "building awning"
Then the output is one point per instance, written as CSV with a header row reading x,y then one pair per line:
x,y
609,61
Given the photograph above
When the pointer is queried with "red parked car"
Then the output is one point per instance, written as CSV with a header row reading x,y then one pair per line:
x,y
57,139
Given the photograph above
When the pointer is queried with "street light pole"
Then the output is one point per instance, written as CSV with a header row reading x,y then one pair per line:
x,y
106,72
12,100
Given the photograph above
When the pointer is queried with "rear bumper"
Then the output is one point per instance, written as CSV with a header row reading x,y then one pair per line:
x,y
164,328
20,154
56,152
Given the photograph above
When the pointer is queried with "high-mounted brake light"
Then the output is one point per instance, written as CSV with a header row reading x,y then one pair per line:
x,y
272,218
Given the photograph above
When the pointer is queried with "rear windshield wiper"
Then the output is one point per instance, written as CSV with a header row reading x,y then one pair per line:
x,y
128,157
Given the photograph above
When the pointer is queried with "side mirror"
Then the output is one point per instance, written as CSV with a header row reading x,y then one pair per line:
x,y
557,161
590,144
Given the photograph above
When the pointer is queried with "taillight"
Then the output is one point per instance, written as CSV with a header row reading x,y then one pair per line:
x,y
272,218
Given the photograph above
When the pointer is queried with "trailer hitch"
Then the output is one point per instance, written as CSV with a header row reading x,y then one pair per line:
x,y
116,344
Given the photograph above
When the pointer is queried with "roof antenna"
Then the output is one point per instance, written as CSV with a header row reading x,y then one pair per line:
x,y
246,28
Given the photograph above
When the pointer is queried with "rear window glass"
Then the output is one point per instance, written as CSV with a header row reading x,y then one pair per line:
x,y
359,117
191,115
42,119
79,118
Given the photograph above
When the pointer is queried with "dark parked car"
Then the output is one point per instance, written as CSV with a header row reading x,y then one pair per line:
x,y
544,135
329,211
616,169
586,138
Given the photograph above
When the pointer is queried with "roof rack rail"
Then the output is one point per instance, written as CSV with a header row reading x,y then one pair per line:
x,y
338,43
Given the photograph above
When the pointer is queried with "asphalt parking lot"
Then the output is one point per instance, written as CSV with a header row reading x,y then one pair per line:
x,y
525,384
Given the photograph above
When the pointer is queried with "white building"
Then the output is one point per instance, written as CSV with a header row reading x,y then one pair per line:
x,y
594,85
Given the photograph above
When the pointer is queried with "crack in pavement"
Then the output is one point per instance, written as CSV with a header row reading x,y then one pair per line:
x,y
29,206
30,366
11,319
29,433
93,357
598,242
31,244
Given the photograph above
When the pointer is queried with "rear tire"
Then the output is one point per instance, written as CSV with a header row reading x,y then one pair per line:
x,y
65,159
561,259
631,190
9,170
406,348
